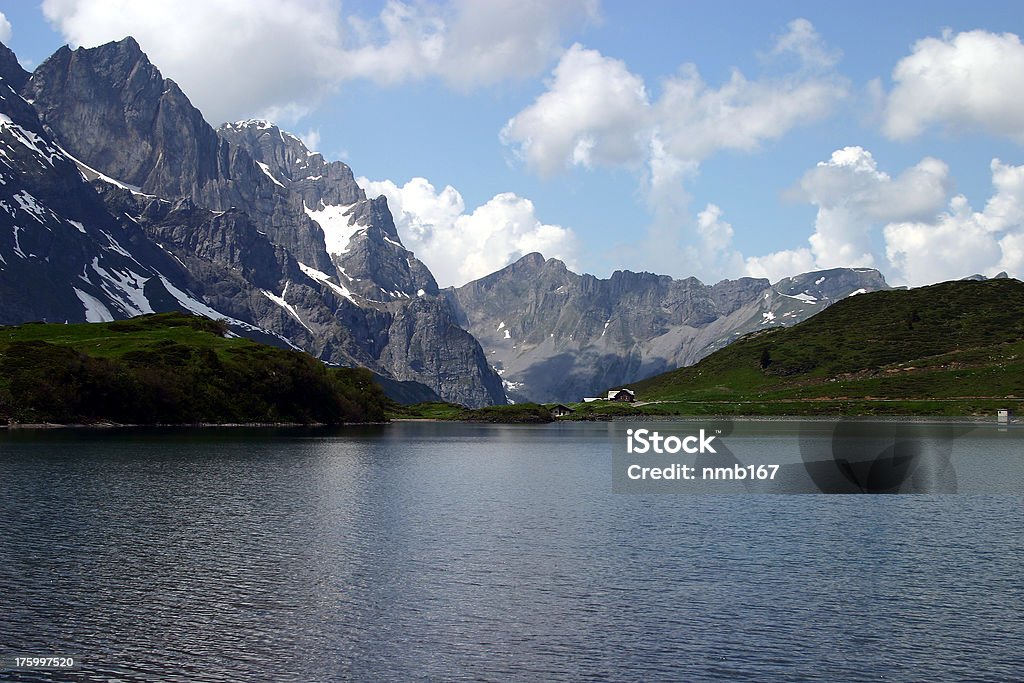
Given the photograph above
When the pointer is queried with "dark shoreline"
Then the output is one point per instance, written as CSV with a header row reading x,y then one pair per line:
x,y
618,418
196,425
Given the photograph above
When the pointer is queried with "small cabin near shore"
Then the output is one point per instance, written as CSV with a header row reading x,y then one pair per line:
x,y
625,395
1003,416
561,410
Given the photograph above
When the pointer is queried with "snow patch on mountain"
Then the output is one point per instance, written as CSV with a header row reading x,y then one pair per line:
x,y
266,171
125,289
325,279
280,301
803,296
95,311
190,303
334,221
29,205
29,139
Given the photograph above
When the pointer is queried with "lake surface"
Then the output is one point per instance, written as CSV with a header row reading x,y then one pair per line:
x,y
434,551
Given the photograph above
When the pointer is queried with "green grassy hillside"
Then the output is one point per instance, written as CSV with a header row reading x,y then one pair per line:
x,y
170,368
948,349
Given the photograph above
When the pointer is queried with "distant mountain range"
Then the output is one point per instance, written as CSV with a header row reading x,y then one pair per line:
x,y
117,199
554,335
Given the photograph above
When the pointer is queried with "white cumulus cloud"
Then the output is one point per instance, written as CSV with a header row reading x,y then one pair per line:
x,y
804,41
853,196
5,29
595,111
698,120
458,246
969,80
715,233
465,43
960,241
233,59
908,226
780,264
277,59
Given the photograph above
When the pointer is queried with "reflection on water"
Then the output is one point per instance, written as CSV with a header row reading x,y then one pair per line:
x,y
472,552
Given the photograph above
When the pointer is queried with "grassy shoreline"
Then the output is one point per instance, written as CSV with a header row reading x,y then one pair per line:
x,y
980,410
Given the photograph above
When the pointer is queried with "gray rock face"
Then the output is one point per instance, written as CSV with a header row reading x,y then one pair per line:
x,y
122,201
427,339
412,335
10,69
63,257
558,336
311,180
110,108
360,233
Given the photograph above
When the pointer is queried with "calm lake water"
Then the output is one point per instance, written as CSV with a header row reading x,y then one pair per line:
x,y
434,551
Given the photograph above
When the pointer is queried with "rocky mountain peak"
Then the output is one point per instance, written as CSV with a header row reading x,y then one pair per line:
x,y
532,260
112,109
1002,275
10,69
831,284
287,161
359,233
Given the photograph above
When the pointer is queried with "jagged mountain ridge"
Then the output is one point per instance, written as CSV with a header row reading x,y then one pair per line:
x,y
359,232
555,335
111,108
156,211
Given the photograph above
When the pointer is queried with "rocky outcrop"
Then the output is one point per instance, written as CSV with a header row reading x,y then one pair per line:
x,y
426,339
373,270
555,335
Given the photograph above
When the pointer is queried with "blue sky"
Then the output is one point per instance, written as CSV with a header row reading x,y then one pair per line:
x,y
687,138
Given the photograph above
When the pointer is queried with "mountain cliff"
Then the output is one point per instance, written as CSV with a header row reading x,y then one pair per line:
x,y
125,201
555,335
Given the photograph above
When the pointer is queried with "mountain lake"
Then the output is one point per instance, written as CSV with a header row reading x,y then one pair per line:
x,y
447,551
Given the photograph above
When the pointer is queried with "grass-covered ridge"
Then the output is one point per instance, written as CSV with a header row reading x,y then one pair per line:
x,y
947,349
171,368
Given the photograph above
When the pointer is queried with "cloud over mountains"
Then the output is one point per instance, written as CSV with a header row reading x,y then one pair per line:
x,y
273,59
595,111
